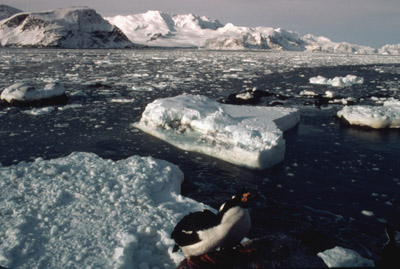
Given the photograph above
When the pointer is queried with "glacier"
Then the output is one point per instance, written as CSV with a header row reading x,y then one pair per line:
x,y
161,29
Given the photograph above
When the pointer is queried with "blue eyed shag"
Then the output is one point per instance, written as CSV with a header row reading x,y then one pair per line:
x,y
202,232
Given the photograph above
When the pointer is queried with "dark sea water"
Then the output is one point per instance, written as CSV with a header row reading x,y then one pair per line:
x,y
338,186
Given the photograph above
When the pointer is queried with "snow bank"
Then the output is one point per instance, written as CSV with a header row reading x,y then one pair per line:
x,y
82,211
377,117
23,92
342,257
244,135
346,81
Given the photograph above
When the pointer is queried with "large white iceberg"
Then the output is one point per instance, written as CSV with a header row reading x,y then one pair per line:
x,y
82,211
248,136
377,117
23,92
346,81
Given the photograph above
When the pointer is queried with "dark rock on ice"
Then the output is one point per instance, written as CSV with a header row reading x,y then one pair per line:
x,y
250,97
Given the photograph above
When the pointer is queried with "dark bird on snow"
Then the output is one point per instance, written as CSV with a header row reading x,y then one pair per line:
x,y
390,256
202,232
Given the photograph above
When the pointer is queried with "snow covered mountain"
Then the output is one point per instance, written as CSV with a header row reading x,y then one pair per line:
x,y
82,27
155,28
324,44
7,11
74,27
390,49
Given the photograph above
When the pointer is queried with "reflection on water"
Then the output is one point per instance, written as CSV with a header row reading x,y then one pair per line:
x,y
377,139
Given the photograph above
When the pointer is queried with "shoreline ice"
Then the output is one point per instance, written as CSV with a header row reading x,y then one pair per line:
x,y
247,136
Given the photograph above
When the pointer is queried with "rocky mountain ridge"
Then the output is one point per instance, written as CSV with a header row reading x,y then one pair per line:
x,y
82,27
74,27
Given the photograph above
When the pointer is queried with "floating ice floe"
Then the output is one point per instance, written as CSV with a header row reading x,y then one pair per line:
x,y
346,81
248,136
377,117
342,257
22,92
39,111
83,211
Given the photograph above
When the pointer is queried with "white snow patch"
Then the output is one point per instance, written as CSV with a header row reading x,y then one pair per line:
x,y
342,257
245,96
248,136
24,92
83,211
377,117
346,81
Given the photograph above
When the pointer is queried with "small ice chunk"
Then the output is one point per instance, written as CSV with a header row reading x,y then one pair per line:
x,y
346,81
245,96
342,257
318,80
329,94
367,213
25,93
307,93
39,111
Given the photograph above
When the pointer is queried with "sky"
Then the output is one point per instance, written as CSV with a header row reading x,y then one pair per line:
x,y
371,23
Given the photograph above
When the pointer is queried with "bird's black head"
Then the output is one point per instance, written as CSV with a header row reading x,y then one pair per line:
x,y
239,199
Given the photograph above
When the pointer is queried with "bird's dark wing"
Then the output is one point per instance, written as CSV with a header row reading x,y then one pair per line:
x,y
185,232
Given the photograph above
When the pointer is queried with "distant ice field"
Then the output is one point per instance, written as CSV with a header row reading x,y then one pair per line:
x,y
336,185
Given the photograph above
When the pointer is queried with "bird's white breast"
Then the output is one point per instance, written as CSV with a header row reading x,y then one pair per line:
x,y
234,226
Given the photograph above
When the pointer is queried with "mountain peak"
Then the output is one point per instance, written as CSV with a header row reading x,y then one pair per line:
x,y
72,27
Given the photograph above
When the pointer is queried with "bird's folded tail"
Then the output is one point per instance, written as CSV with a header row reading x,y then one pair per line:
x,y
175,249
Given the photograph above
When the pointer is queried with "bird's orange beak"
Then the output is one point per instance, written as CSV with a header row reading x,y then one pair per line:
x,y
245,197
